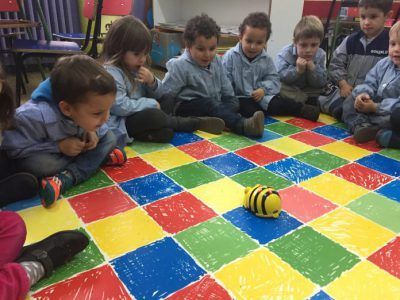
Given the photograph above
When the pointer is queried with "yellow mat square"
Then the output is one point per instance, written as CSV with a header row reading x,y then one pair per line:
x,y
326,119
42,222
345,150
283,118
288,146
354,232
207,136
221,195
365,281
262,275
125,232
168,158
334,189
130,152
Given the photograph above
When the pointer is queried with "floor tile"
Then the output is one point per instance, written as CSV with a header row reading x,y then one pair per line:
x,y
342,193
283,118
232,142
288,146
101,203
321,159
354,232
260,154
168,158
345,150
312,138
206,288
327,119
391,153
179,212
125,232
283,128
370,146
41,222
388,257
321,295
365,281
332,132
267,136
391,190
314,255
382,164
133,168
263,230
24,204
202,149
130,153
215,243
229,164
221,195
98,180
193,175
147,147
293,169
378,209
157,270
304,205
362,176
305,124
269,120
263,177
150,188
98,283
182,138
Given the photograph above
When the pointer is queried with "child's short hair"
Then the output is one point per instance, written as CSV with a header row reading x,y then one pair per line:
x,y
395,29
7,104
384,5
256,20
201,25
73,77
308,27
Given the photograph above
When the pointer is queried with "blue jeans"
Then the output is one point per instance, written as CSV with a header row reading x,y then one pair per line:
x,y
81,166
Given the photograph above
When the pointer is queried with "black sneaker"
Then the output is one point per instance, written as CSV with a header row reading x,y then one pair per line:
x,y
55,250
365,132
18,186
309,112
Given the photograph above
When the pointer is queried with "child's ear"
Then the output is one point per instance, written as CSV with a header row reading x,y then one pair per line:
x,y
65,108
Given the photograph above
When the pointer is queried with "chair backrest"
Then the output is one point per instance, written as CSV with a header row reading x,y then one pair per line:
x,y
9,5
117,7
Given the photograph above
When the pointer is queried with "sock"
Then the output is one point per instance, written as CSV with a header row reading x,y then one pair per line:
x,y
52,187
116,157
34,270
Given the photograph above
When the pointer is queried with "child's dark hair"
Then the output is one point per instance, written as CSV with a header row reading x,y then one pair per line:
x,y
201,25
384,5
308,27
256,20
126,34
73,77
7,104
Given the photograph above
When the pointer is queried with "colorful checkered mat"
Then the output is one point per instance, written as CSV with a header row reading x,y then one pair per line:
x,y
170,223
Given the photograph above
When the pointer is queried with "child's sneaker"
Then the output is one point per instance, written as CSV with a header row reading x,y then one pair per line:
x,y
52,187
309,112
365,132
117,157
254,126
211,124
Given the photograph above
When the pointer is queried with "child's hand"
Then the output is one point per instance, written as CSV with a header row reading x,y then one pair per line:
x,y
345,88
145,76
365,104
310,65
258,94
91,139
301,65
71,146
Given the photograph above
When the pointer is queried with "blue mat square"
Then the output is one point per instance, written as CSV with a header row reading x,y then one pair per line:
x,y
293,169
262,229
332,132
391,190
23,204
268,135
150,188
229,164
157,270
182,138
321,295
269,120
382,164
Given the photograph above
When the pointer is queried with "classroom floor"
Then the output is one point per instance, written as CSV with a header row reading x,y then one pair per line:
x,y
170,223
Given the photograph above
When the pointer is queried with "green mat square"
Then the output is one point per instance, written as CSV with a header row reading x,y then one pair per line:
x,y
261,176
193,174
232,141
392,153
98,180
321,159
379,209
314,255
147,147
215,243
340,125
284,128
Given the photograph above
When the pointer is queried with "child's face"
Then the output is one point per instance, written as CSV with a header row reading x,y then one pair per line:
x,y
134,60
253,41
307,48
394,48
372,21
203,50
91,114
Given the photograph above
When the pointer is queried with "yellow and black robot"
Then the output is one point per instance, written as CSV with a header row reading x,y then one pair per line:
x,y
263,201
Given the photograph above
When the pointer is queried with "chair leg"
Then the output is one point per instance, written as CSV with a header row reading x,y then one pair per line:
x,y
25,74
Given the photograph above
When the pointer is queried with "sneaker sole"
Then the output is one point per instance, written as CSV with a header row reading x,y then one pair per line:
x,y
366,134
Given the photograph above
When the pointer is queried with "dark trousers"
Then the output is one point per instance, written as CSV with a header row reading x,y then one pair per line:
x,y
212,108
7,166
277,106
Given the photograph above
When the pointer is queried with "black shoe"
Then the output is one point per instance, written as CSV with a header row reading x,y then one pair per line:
x,y
309,112
365,132
211,125
55,250
18,186
162,135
